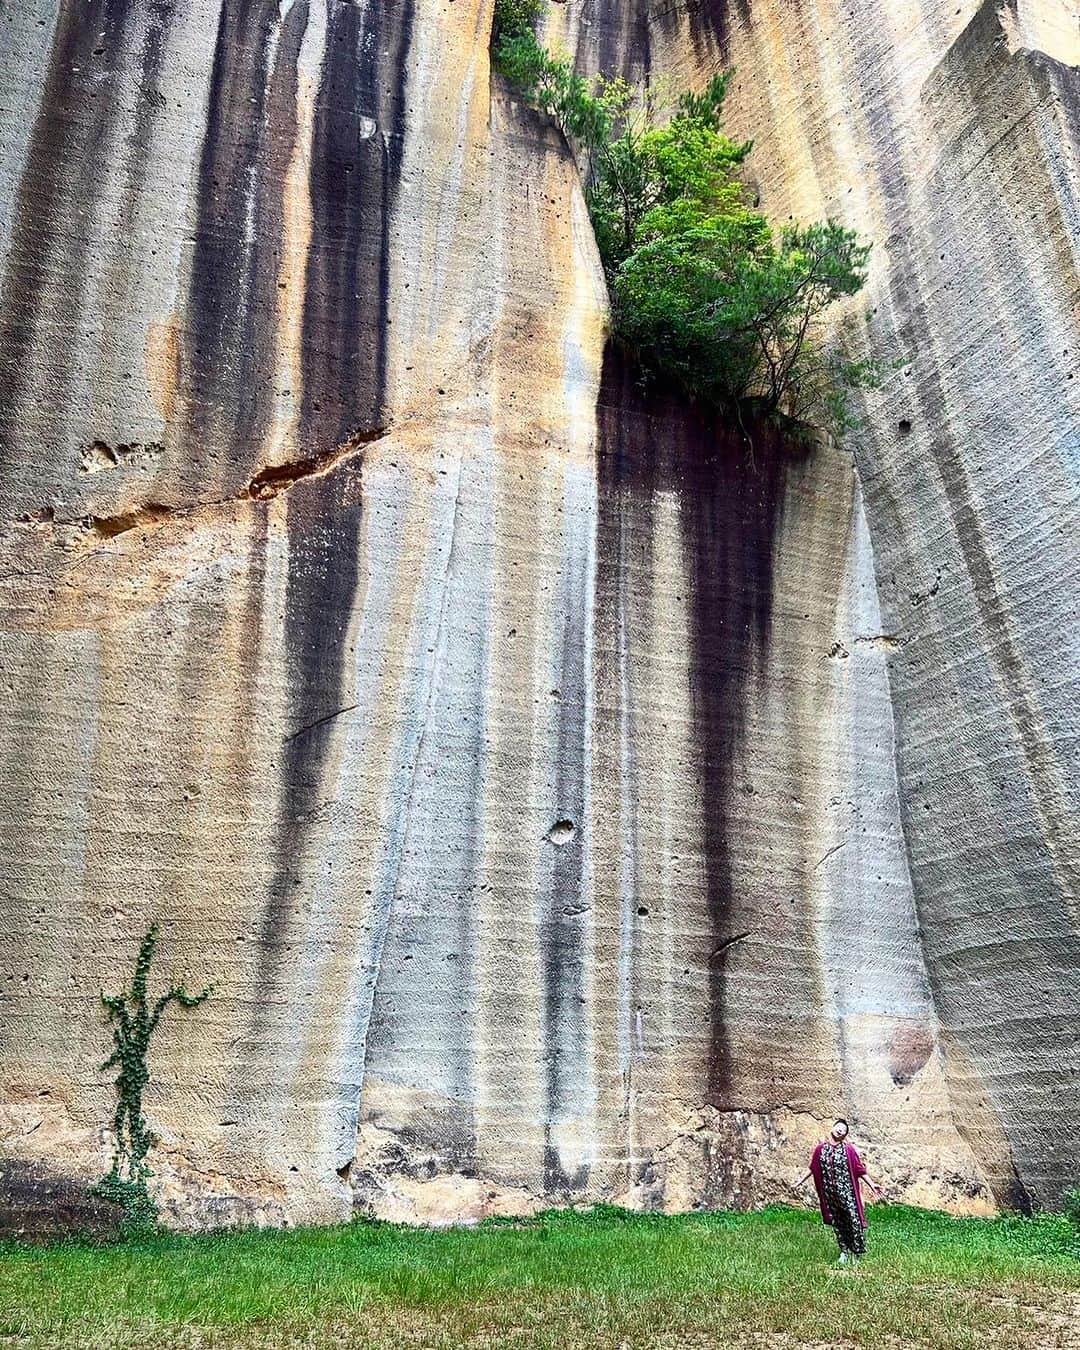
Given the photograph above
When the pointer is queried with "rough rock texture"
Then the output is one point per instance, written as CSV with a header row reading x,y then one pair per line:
x,y
516,756
950,136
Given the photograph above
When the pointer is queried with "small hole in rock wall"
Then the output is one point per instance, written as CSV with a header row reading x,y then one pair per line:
x,y
561,832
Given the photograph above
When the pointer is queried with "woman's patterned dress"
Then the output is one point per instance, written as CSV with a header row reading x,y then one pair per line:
x,y
840,1197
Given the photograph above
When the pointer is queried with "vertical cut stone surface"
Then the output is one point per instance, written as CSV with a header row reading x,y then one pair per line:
x,y
949,138
515,753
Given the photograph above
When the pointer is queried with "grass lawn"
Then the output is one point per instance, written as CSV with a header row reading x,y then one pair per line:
x,y
596,1278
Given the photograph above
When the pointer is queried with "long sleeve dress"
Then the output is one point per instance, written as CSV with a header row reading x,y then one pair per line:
x,y
836,1169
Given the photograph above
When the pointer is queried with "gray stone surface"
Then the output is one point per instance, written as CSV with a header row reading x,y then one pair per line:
x,y
950,140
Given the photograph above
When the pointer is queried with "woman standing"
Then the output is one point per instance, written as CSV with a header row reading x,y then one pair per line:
x,y
837,1171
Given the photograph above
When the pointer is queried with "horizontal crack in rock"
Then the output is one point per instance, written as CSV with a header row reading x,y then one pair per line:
x,y
278,478
310,726
267,484
887,641
106,527
728,943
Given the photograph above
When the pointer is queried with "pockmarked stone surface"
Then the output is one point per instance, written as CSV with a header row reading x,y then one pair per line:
x,y
568,800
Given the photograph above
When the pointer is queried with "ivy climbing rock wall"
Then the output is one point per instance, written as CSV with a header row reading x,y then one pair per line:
x,y
515,755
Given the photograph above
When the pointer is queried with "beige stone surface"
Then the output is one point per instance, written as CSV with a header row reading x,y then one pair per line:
x,y
516,757
948,136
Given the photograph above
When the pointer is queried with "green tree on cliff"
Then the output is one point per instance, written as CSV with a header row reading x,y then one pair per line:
x,y
703,290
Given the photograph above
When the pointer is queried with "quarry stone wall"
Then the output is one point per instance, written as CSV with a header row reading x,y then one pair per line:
x,y
568,801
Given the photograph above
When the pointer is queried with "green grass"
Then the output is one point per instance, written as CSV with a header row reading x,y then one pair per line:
x,y
565,1279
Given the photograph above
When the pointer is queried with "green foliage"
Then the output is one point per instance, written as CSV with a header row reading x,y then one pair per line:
x,y
1072,1206
715,299
134,1021
646,167
551,85
131,1195
514,18
703,290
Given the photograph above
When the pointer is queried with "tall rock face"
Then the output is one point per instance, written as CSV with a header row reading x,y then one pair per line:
x,y
950,137
567,800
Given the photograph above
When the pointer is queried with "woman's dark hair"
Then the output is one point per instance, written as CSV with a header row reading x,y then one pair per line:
x,y
841,1121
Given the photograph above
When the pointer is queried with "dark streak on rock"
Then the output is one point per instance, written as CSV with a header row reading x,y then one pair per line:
x,y
708,22
615,36
38,1204
324,523
354,177
227,364
1014,1195
355,167
734,513
731,511
49,259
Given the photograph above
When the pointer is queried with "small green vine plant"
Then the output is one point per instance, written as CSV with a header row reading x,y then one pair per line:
x,y
134,1018
706,294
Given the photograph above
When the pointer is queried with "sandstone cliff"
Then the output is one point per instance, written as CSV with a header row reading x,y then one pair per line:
x,y
566,804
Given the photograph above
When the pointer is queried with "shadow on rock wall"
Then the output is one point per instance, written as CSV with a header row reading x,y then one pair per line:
x,y
731,485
